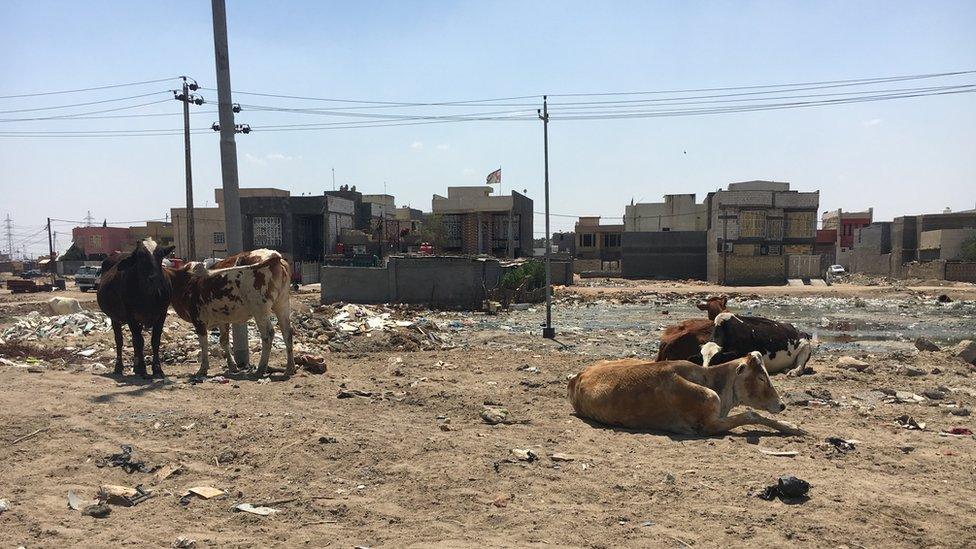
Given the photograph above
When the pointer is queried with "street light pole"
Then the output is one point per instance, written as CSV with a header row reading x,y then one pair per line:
x,y
186,98
228,158
548,331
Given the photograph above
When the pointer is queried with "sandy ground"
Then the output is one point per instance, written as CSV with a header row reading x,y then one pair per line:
x,y
413,465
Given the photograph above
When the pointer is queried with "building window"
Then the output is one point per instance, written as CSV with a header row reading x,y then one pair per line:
x,y
587,240
611,240
218,238
752,224
452,226
267,232
775,249
95,241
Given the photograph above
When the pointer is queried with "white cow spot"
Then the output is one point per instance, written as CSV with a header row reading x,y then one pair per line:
x,y
722,317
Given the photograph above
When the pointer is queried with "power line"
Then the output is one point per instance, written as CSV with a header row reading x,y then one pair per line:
x,y
86,103
81,116
110,86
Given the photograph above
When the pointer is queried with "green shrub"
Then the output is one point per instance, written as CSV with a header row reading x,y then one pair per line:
x,y
534,270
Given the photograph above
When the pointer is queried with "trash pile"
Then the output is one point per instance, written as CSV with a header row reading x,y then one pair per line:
x,y
340,328
35,326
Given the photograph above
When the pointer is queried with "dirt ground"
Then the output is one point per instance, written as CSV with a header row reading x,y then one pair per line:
x,y
414,465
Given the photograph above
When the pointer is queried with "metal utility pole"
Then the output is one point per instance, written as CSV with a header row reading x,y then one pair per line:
x,y
228,158
186,98
548,331
10,236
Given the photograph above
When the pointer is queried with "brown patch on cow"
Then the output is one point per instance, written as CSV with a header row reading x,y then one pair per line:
x,y
258,280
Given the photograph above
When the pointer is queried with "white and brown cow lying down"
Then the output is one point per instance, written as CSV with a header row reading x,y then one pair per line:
x,y
676,395
233,295
782,346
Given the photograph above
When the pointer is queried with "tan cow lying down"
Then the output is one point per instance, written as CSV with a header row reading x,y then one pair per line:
x,y
676,395
220,297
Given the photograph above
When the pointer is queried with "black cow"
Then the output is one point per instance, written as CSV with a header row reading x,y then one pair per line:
x,y
783,346
134,291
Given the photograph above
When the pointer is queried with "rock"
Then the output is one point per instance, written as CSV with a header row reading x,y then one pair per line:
x,y
184,542
227,456
350,393
934,394
851,363
910,372
524,455
328,440
562,457
3,506
494,416
944,299
314,364
961,411
97,511
923,344
966,350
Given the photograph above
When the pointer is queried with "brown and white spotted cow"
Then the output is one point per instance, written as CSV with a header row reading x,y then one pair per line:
x,y
233,295
676,395
684,340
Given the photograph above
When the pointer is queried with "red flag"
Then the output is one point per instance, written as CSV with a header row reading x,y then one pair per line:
x,y
494,178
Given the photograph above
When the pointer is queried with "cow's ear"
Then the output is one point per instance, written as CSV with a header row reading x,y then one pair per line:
x,y
702,306
162,252
725,299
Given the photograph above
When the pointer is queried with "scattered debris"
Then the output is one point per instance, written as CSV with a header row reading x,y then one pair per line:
x,y
957,431
184,542
166,471
851,363
961,411
788,489
76,503
923,344
779,453
328,440
123,495
259,510
494,416
562,457
934,394
910,372
943,298
350,393
35,326
206,492
4,506
501,500
315,364
97,511
841,445
123,459
908,422
524,455
965,350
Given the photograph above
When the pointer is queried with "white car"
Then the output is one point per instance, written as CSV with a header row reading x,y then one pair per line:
x,y
836,270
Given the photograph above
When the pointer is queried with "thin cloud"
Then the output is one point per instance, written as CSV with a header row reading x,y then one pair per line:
x,y
270,157
443,147
417,145
873,122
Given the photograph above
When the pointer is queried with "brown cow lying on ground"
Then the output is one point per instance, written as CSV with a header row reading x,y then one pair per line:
x,y
680,341
220,297
676,395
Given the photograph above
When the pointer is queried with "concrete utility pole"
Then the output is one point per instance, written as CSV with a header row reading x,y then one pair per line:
x,y
548,331
186,98
10,236
228,158
50,246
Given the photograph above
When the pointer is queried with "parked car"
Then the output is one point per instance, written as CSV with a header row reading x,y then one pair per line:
x,y
426,248
87,278
32,273
836,270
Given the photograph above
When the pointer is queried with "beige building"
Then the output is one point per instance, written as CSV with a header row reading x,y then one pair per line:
x,y
208,225
943,243
478,222
678,212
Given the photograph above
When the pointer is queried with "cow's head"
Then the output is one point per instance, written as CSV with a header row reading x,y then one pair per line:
x,y
146,260
715,305
753,386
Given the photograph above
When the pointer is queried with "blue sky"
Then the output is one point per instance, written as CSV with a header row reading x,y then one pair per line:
x,y
907,156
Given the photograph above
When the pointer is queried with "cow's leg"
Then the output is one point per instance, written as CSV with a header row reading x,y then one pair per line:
x,y
267,337
225,345
157,333
119,365
139,347
203,335
284,321
717,425
802,356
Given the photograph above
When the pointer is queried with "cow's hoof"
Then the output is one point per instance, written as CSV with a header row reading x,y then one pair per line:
x,y
158,374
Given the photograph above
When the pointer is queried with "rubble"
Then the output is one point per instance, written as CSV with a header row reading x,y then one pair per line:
x,y
35,326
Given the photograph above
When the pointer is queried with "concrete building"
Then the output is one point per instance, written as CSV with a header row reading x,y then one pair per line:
x,y
908,231
871,251
835,238
678,212
665,240
303,228
943,243
761,232
564,243
160,231
208,227
477,222
99,242
599,241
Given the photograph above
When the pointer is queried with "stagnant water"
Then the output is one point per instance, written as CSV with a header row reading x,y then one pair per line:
x,y
847,324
